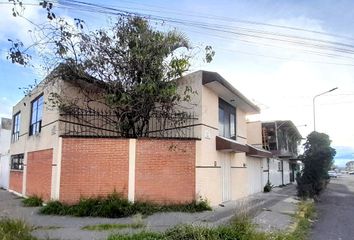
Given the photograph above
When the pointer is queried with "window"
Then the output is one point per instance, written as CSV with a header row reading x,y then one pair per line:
x,y
280,166
36,116
227,120
16,127
17,162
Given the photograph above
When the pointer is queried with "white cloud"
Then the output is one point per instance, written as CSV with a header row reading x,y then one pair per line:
x,y
18,27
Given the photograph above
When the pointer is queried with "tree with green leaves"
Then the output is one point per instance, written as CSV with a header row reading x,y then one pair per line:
x,y
134,65
318,159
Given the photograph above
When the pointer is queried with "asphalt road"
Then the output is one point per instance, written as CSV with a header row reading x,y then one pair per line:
x,y
336,211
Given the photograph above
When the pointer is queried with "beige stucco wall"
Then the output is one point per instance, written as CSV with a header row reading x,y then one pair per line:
x,y
208,163
254,133
49,135
241,125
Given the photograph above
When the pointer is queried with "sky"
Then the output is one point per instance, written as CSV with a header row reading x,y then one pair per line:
x,y
280,76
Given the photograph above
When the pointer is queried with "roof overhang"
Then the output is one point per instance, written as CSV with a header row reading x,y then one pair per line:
x,y
257,152
229,145
227,92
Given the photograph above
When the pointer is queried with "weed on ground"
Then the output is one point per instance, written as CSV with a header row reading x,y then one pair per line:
x,y
240,228
32,201
11,229
116,206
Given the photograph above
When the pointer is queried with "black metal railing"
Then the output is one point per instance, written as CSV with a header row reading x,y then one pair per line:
x,y
93,123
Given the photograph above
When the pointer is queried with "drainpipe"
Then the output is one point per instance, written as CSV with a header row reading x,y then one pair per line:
x,y
268,169
282,172
276,134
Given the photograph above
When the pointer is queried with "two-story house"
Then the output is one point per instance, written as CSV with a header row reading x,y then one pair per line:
x,y
215,162
282,139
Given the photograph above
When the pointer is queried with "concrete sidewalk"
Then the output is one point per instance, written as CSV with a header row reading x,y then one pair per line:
x,y
279,204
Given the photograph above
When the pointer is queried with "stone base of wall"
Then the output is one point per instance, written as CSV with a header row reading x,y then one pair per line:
x,y
39,173
16,180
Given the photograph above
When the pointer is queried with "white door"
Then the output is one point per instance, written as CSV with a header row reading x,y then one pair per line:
x,y
4,171
255,175
226,176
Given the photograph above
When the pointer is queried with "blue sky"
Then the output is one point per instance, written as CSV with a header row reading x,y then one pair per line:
x,y
281,79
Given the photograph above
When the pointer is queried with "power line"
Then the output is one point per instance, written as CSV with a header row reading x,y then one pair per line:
x,y
242,34
251,33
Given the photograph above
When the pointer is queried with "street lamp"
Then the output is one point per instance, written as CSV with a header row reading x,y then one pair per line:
x,y
313,104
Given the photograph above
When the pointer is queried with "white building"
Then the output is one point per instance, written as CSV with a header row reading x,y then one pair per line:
x,y
5,139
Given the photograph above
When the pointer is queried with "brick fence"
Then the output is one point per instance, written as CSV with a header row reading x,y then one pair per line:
x,y
156,170
165,171
93,167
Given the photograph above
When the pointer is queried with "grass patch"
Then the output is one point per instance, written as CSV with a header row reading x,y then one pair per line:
x,y
33,201
106,227
46,227
15,230
115,206
240,228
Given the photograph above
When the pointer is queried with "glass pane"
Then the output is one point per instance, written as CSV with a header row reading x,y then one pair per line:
x,y
227,125
18,122
232,125
34,113
39,113
221,122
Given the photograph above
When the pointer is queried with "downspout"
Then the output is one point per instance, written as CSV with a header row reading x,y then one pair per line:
x,y
276,134
268,169
282,172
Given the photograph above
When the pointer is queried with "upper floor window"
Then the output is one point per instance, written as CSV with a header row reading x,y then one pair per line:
x,y
16,127
17,162
227,120
36,116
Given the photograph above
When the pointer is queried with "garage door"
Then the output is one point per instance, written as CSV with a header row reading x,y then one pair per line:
x,y
254,166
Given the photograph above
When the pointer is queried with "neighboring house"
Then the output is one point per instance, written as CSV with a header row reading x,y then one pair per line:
x,y
349,166
5,139
282,138
213,159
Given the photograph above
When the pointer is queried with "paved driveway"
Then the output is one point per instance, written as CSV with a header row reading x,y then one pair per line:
x,y
336,211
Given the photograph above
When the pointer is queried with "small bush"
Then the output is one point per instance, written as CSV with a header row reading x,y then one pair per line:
x,y
116,206
54,208
268,187
15,230
32,201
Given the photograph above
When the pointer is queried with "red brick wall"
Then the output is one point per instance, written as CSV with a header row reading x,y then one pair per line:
x,y
39,173
16,181
93,166
165,170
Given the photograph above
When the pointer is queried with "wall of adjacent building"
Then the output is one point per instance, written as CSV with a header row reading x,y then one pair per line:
x,y
5,139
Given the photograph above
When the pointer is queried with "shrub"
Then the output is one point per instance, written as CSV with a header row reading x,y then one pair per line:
x,y
268,187
55,208
15,230
116,206
32,201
